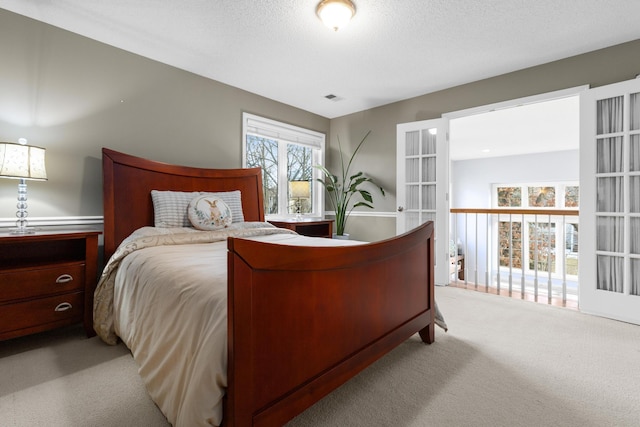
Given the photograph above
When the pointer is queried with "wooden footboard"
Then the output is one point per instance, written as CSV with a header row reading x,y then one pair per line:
x,y
303,320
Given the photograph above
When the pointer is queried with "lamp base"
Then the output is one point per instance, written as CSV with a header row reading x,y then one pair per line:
x,y
21,223
22,230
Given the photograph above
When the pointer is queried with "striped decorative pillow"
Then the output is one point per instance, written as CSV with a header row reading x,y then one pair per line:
x,y
170,207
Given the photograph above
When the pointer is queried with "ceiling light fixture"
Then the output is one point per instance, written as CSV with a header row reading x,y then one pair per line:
x,y
336,14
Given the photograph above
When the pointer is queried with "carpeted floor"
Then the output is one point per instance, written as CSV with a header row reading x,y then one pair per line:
x,y
504,362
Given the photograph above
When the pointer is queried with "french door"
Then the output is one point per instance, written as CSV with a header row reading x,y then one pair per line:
x,y
610,201
422,185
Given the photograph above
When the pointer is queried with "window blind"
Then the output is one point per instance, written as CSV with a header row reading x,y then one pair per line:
x,y
260,126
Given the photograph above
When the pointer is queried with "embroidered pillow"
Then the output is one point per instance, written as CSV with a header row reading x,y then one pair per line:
x,y
170,207
233,199
209,213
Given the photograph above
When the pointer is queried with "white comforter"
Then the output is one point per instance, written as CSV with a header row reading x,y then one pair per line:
x,y
164,293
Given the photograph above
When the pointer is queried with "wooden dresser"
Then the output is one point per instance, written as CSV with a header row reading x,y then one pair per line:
x,y
47,280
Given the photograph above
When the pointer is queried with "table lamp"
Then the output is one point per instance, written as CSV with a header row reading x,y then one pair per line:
x,y
299,190
23,162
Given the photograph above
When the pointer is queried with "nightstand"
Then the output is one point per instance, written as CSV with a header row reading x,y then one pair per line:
x,y
47,280
314,228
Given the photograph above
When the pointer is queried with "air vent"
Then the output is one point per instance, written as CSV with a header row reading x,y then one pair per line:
x,y
332,97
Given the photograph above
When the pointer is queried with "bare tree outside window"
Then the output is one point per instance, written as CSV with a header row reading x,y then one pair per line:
x,y
572,196
288,156
509,197
542,247
263,153
535,243
542,197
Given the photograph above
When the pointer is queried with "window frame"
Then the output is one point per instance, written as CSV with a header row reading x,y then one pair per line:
x,y
560,194
286,134
560,201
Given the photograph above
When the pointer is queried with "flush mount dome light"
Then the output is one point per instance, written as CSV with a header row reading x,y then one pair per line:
x,y
336,14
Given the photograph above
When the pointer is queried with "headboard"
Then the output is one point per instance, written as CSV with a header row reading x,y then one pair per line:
x,y
128,181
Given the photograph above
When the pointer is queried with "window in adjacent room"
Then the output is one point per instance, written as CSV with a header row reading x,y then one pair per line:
x,y
287,155
536,244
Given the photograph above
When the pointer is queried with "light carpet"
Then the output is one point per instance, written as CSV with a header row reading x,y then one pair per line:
x,y
504,362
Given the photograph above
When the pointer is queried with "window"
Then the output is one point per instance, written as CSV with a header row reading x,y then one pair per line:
x,y
535,195
534,244
287,155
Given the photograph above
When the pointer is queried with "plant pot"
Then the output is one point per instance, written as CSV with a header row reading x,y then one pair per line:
x,y
344,236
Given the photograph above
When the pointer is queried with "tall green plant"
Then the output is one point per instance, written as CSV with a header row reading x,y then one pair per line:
x,y
341,189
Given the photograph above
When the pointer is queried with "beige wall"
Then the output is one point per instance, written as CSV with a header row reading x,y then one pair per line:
x,y
73,95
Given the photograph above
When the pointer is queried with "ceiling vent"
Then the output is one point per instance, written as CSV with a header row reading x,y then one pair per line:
x,y
332,97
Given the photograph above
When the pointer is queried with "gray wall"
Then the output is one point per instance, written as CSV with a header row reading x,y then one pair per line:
x,y
598,68
73,95
472,180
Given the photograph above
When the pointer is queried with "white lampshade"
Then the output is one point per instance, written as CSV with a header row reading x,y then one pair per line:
x,y
22,161
299,189
336,14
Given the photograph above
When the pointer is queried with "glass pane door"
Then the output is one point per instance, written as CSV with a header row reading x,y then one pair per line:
x,y
422,180
610,178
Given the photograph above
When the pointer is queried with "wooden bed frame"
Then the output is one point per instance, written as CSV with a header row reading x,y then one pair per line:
x,y
301,320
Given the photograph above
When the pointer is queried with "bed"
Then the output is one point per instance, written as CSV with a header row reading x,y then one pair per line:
x,y
300,315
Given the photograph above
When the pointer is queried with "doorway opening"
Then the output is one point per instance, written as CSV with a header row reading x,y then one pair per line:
x,y
512,165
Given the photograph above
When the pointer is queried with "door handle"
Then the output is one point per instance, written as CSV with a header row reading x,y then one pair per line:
x,y
400,208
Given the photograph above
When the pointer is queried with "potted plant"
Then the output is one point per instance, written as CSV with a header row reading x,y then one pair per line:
x,y
340,190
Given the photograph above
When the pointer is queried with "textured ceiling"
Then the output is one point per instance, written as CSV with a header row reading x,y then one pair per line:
x,y
392,50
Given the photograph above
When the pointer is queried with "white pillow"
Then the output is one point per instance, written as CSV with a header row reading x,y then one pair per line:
x,y
209,213
170,207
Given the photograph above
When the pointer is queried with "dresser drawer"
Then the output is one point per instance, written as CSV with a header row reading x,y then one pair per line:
x,y
58,310
22,283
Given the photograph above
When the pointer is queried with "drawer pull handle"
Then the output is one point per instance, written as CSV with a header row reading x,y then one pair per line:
x,y
63,306
64,278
